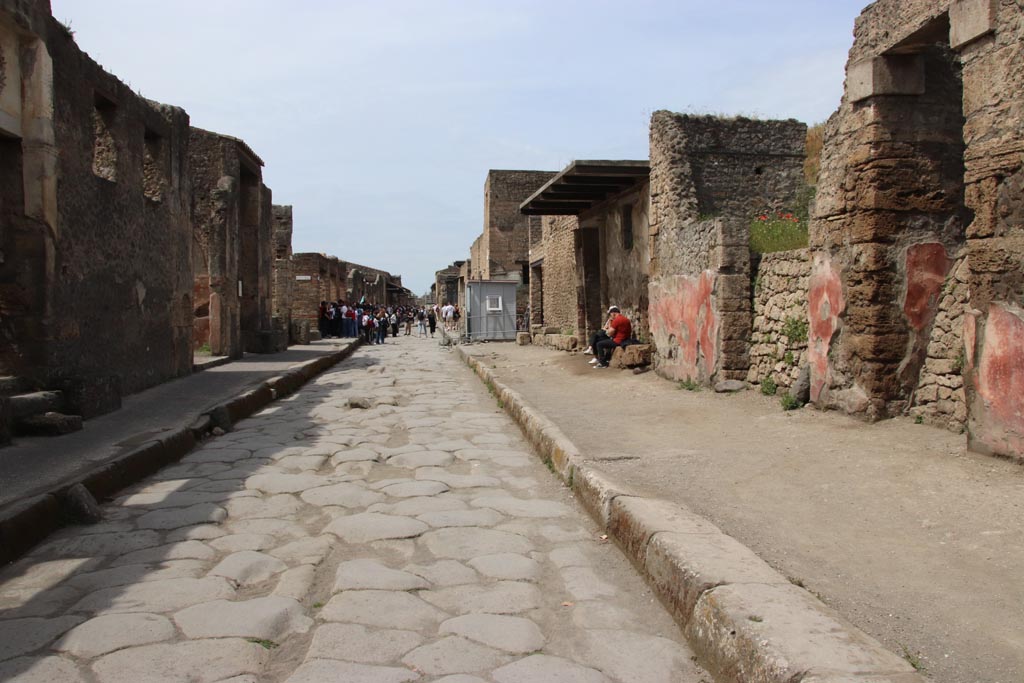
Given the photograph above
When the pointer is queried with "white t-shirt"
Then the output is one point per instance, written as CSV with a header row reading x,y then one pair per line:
x,y
448,311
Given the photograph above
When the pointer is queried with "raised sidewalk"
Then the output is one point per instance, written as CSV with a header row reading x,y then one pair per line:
x,y
787,544
153,428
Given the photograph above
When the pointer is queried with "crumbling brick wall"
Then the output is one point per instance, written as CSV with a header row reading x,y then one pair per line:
x,y
709,176
95,281
908,181
779,336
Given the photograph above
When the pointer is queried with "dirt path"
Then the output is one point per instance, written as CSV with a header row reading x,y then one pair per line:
x,y
914,540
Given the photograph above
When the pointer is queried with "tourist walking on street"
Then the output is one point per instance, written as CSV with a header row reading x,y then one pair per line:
x,y
432,321
421,323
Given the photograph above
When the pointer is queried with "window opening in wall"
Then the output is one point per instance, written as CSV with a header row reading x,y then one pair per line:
x,y
104,148
154,176
627,226
493,302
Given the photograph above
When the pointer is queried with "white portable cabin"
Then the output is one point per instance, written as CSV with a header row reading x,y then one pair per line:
x,y
491,310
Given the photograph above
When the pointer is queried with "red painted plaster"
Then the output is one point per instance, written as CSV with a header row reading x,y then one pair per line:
x,y
999,381
926,267
685,307
825,305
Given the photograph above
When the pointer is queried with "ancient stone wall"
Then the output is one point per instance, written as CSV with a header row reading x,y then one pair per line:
x,y
906,183
316,278
95,280
709,176
558,284
364,281
283,274
779,337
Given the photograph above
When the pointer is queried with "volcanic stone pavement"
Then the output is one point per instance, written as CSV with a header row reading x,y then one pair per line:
x,y
387,523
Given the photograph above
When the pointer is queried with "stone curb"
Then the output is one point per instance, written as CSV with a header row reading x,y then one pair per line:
x,y
25,523
745,620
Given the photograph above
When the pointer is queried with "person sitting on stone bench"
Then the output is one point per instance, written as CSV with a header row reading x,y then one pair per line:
x,y
617,331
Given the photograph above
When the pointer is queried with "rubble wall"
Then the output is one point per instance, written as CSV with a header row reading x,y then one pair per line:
x,y
283,274
561,301
626,267
779,336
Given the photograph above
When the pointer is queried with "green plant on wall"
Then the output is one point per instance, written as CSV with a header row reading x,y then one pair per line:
x,y
768,386
795,330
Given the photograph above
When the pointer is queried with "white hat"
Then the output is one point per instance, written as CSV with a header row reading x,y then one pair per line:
x,y
612,308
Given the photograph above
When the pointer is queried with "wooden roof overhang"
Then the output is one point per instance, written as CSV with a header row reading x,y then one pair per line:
x,y
583,185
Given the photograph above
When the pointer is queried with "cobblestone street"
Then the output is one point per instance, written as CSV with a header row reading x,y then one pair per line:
x,y
386,523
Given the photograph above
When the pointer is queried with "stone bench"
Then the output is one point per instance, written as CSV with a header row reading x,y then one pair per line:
x,y
632,356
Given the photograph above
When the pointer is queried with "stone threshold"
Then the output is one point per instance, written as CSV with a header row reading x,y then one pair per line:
x,y
745,620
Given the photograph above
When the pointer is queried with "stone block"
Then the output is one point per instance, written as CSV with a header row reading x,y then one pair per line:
x,y
24,405
49,424
91,396
632,521
632,356
300,332
885,75
970,20
523,338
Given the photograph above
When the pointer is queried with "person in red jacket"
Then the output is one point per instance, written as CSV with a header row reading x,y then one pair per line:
x,y
619,330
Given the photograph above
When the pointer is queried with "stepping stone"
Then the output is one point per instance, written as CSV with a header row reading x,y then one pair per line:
x,y
113,632
185,550
40,670
453,655
472,518
444,573
370,526
271,618
22,636
547,669
457,481
175,518
369,574
170,595
355,643
466,543
511,634
504,597
383,609
329,671
519,507
284,483
194,660
506,566
248,567
422,459
344,494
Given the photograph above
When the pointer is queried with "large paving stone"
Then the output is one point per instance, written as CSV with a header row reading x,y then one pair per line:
x,y
280,506
477,518
511,634
305,551
248,567
185,550
296,583
583,583
195,661
466,543
412,507
233,543
22,636
272,618
284,483
301,463
344,494
113,632
383,609
503,597
40,670
422,459
547,669
355,643
155,596
100,544
343,455
411,489
332,671
457,481
178,517
631,656
523,507
41,604
134,573
172,499
444,573
575,555
454,655
370,574
506,566
371,526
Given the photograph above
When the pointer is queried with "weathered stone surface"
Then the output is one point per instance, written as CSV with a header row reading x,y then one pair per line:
x,y
503,597
506,566
467,543
583,583
117,543
284,483
306,551
422,459
82,506
22,636
248,567
444,573
347,455
332,671
545,669
355,643
383,609
474,518
415,488
729,386
173,519
371,526
453,655
344,494
272,618
40,670
196,661
370,574
457,481
417,506
632,656
296,583
233,543
131,573
155,596
185,550
511,634
113,632
520,507
281,506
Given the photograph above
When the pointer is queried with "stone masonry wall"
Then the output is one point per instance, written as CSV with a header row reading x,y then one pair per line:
x,y
283,274
625,269
779,336
561,303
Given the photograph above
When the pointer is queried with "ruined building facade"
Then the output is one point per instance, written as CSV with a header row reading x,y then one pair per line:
x,y
918,234
95,276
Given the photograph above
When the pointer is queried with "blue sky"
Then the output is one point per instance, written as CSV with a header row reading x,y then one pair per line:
x,y
379,120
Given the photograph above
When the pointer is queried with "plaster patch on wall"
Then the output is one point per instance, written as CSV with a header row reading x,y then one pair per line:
x,y
927,266
684,325
997,418
826,304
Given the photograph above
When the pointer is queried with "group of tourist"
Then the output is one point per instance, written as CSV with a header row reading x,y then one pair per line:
x,y
372,322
